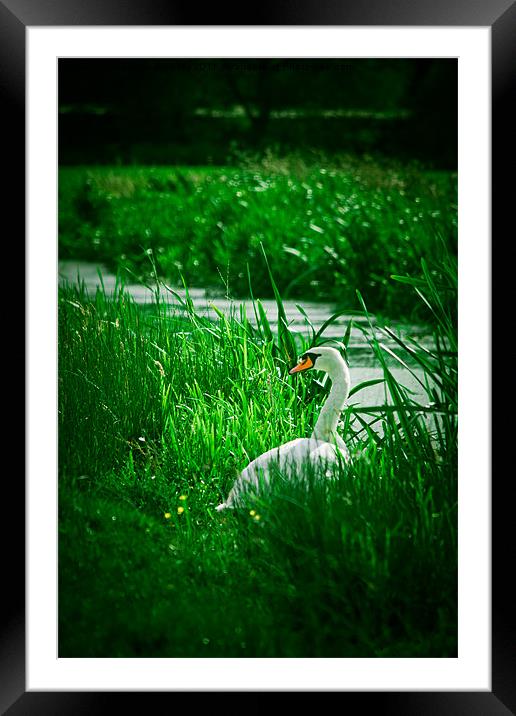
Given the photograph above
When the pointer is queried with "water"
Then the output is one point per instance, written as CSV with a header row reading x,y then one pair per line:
x,y
363,364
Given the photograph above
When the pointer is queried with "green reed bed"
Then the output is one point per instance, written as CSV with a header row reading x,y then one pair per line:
x,y
327,227
158,410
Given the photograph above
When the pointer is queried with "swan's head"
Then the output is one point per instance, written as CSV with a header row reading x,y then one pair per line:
x,y
322,358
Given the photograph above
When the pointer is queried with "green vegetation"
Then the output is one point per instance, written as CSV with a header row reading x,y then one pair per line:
x,y
159,410
328,227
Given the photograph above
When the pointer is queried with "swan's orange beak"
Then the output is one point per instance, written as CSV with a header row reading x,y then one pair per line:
x,y
304,365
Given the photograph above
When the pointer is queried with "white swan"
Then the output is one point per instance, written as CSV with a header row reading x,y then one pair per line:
x,y
322,450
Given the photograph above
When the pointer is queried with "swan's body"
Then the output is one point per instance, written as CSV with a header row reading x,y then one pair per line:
x,y
322,451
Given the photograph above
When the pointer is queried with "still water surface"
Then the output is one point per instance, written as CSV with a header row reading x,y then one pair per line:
x,y
363,364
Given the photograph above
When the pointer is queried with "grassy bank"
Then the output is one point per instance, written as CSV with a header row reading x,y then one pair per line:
x,y
328,227
158,412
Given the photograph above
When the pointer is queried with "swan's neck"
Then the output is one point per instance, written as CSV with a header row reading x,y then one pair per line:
x,y
326,425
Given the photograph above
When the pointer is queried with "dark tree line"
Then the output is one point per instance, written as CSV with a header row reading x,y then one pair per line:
x,y
120,103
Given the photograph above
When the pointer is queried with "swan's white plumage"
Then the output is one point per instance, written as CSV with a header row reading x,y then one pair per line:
x,y
287,459
322,451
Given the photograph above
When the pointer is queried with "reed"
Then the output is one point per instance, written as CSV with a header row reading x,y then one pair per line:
x,y
327,227
158,411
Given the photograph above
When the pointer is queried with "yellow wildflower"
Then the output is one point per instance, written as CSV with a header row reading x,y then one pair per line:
x,y
182,497
180,510
252,512
167,515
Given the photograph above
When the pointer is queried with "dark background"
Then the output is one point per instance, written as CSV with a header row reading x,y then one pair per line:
x,y
207,111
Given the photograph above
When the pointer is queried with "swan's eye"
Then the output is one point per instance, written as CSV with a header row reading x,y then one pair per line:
x,y
303,364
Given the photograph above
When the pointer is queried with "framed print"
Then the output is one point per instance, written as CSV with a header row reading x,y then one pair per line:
x,y
294,164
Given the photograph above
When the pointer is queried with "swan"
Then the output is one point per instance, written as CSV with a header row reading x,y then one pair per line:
x,y
323,449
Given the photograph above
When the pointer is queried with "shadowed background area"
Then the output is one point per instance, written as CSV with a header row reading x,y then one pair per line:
x,y
203,111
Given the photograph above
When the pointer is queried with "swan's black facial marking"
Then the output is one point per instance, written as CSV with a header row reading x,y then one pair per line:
x,y
313,357
306,362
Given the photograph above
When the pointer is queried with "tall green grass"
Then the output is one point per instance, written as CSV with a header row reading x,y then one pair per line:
x,y
327,228
159,410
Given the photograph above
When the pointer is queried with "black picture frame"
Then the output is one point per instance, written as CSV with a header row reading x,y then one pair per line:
x,y
500,16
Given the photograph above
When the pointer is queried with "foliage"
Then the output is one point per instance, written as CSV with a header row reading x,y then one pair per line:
x,y
159,409
327,228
